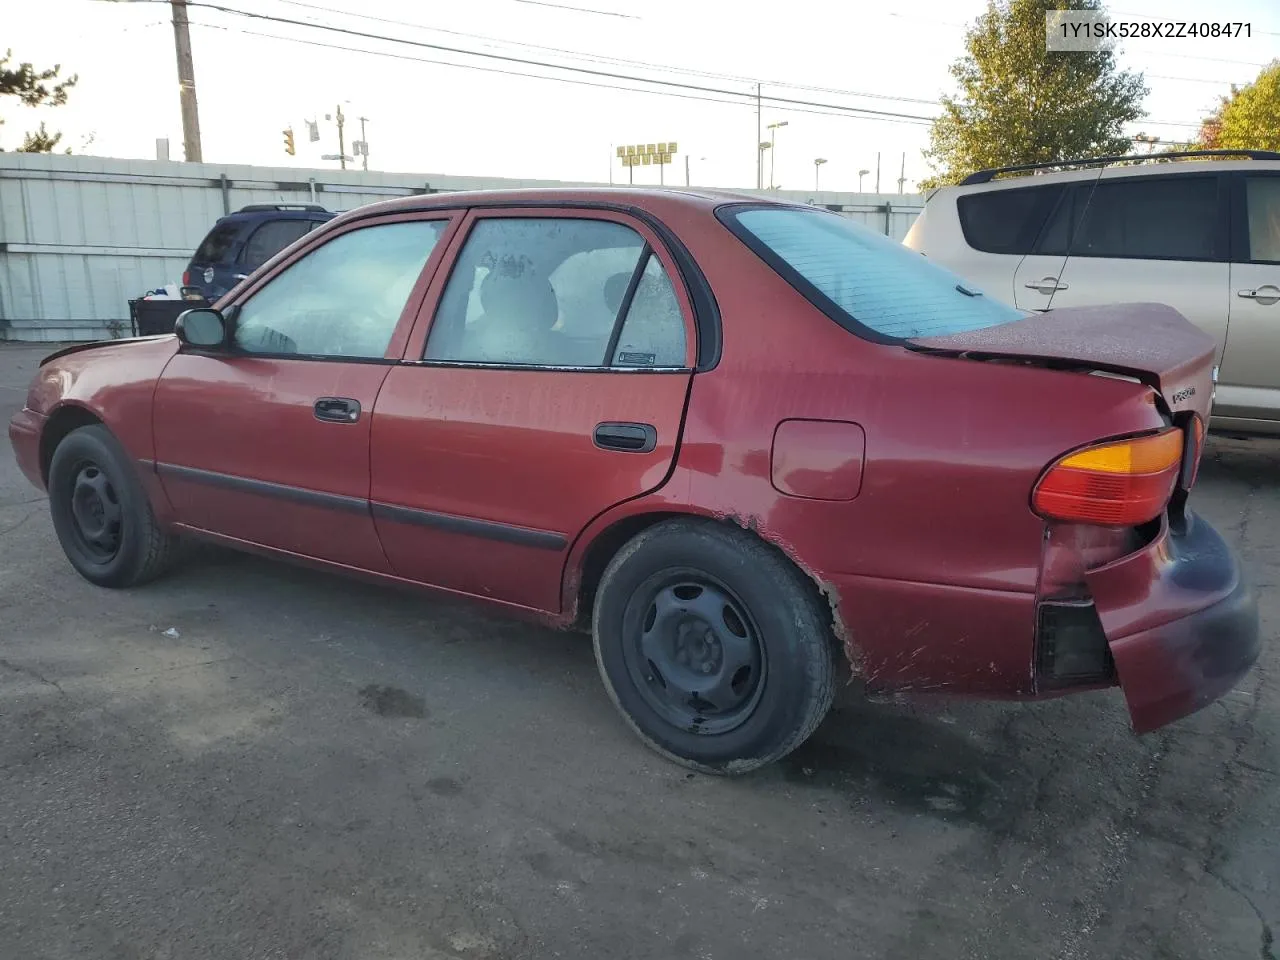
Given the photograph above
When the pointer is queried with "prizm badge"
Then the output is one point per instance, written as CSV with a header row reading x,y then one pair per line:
x,y
1186,393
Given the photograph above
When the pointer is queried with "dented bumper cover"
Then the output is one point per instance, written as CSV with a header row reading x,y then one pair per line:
x,y
1181,622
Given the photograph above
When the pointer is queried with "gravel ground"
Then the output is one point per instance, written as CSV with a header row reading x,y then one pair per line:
x,y
248,760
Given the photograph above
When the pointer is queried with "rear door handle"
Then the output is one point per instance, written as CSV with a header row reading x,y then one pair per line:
x,y
1265,295
626,437
1047,285
337,410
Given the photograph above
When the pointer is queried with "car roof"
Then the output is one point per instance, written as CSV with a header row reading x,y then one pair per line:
x,y
648,199
1189,165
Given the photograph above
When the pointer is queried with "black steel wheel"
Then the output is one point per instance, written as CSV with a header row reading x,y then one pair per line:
x,y
713,645
693,651
96,514
101,513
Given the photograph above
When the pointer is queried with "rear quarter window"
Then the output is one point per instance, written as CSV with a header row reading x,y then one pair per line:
x,y
869,284
1005,221
217,245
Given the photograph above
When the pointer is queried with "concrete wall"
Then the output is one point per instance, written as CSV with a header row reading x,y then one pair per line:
x,y
81,236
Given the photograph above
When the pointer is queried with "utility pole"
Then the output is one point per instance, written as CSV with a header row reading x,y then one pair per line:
x,y
186,82
686,170
364,145
342,145
759,140
902,174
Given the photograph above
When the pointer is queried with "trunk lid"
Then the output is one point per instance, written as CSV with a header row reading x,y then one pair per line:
x,y
1149,341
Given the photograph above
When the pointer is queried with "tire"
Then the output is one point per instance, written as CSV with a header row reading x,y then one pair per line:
x,y
101,513
715,648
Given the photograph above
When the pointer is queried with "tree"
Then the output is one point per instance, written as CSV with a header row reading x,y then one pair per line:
x,y
40,141
1249,119
34,88
1020,103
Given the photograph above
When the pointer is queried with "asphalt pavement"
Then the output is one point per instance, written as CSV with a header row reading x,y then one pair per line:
x,y
252,761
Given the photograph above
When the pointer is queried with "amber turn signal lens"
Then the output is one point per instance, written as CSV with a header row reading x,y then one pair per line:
x,y
1119,484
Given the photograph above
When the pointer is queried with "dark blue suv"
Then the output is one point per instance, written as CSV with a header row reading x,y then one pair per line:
x,y
241,242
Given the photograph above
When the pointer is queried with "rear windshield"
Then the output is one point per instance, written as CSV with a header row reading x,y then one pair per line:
x,y
862,279
217,244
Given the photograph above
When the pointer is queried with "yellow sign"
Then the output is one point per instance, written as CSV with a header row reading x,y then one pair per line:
x,y
666,158
651,148
648,159
662,148
631,151
622,151
671,148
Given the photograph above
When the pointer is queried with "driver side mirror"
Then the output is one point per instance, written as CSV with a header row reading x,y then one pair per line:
x,y
203,328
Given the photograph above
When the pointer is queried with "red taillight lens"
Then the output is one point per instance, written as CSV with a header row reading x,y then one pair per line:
x,y
1119,484
186,278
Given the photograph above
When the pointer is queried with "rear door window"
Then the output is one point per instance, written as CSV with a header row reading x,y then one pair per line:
x,y
558,291
1145,218
1005,221
272,237
1262,212
861,279
217,245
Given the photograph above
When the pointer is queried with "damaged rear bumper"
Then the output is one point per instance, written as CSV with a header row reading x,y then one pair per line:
x,y
1181,622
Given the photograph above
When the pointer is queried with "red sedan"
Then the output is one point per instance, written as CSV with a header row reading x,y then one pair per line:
x,y
741,440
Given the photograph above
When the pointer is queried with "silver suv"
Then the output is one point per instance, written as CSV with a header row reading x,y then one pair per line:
x,y
1199,233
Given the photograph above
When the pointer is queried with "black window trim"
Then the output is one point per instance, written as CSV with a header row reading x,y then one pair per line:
x,y
642,262
1241,253
1223,238
727,214
706,310
646,251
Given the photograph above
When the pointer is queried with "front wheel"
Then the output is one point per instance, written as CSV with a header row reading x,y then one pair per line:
x,y
714,647
101,513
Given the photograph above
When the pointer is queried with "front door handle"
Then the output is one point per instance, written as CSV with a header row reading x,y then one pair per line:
x,y
1047,285
337,410
626,437
1264,295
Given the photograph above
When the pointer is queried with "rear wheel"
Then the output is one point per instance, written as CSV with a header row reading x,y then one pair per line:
x,y
714,647
101,513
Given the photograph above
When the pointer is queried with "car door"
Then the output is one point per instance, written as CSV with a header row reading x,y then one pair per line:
x,y
1249,382
547,385
1152,239
267,441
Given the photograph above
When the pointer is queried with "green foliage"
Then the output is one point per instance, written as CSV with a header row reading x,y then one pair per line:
x,y
34,88
1020,103
1249,119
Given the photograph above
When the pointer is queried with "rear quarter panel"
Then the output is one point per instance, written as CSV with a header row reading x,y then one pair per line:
x,y
939,552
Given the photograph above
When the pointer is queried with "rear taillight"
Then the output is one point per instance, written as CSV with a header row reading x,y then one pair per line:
x,y
186,278
1122,483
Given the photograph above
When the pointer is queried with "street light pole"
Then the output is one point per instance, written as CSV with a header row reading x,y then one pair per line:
x,y
759,138
342,146
861,174
364,145
773,134
817,165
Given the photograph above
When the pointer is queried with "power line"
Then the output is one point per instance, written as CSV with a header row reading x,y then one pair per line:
x,y
606,74
560,6
532,76
599,58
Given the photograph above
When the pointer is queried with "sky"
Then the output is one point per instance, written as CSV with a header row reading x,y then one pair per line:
x,y
255,77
